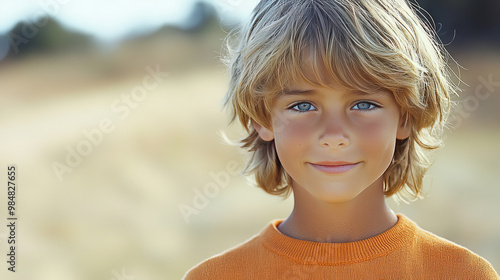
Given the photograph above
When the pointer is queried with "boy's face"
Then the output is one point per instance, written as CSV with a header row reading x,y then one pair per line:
x,y
334,142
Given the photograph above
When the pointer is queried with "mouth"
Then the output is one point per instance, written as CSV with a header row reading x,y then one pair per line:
x,y
334,167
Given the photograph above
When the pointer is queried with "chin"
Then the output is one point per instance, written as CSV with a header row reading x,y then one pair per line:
x,y
335,194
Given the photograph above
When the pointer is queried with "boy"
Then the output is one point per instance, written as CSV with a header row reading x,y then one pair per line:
x,y
340,99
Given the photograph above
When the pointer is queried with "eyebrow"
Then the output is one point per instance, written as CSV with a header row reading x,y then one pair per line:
x,y
298,92
360,92
291,92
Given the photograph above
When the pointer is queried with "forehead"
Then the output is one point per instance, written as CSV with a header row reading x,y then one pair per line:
x,y
306,91
312,69
316,66
312,72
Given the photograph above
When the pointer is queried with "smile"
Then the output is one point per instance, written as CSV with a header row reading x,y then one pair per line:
x,y
334,167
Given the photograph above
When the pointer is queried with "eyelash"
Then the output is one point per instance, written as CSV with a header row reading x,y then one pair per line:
x,y
375,106
372,105
291,107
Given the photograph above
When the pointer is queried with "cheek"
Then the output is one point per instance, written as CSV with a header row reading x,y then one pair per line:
x,y
382,138
291,135
291,140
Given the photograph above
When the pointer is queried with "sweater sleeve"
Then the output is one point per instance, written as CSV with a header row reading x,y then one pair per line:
x,y
218,267
197,273
211,268
230,264
204,270
484,270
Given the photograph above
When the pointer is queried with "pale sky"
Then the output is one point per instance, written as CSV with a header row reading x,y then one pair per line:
x,y
112,19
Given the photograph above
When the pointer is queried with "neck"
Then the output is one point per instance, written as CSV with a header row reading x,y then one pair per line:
x,y
363,217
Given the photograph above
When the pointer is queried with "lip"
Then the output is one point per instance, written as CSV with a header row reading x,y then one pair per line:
x,y
334,167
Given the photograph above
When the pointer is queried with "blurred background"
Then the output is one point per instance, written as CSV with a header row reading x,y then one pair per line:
x,y
111,111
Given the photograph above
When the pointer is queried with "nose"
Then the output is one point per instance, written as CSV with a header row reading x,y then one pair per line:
x,y
334,134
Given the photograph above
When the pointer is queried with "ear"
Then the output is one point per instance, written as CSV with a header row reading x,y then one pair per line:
x,y
404,128
264,133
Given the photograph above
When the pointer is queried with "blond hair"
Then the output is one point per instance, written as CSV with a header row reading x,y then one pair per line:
x,y
360,44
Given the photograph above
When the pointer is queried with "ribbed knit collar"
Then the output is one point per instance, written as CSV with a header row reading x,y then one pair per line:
x,y
309,252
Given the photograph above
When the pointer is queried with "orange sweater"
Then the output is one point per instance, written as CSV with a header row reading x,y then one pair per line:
x,y
403,252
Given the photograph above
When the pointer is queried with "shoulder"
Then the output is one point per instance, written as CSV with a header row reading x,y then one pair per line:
x,y
228,264
450,258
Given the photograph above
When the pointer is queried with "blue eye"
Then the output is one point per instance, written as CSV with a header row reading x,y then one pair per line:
x,y
303,107
364,106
